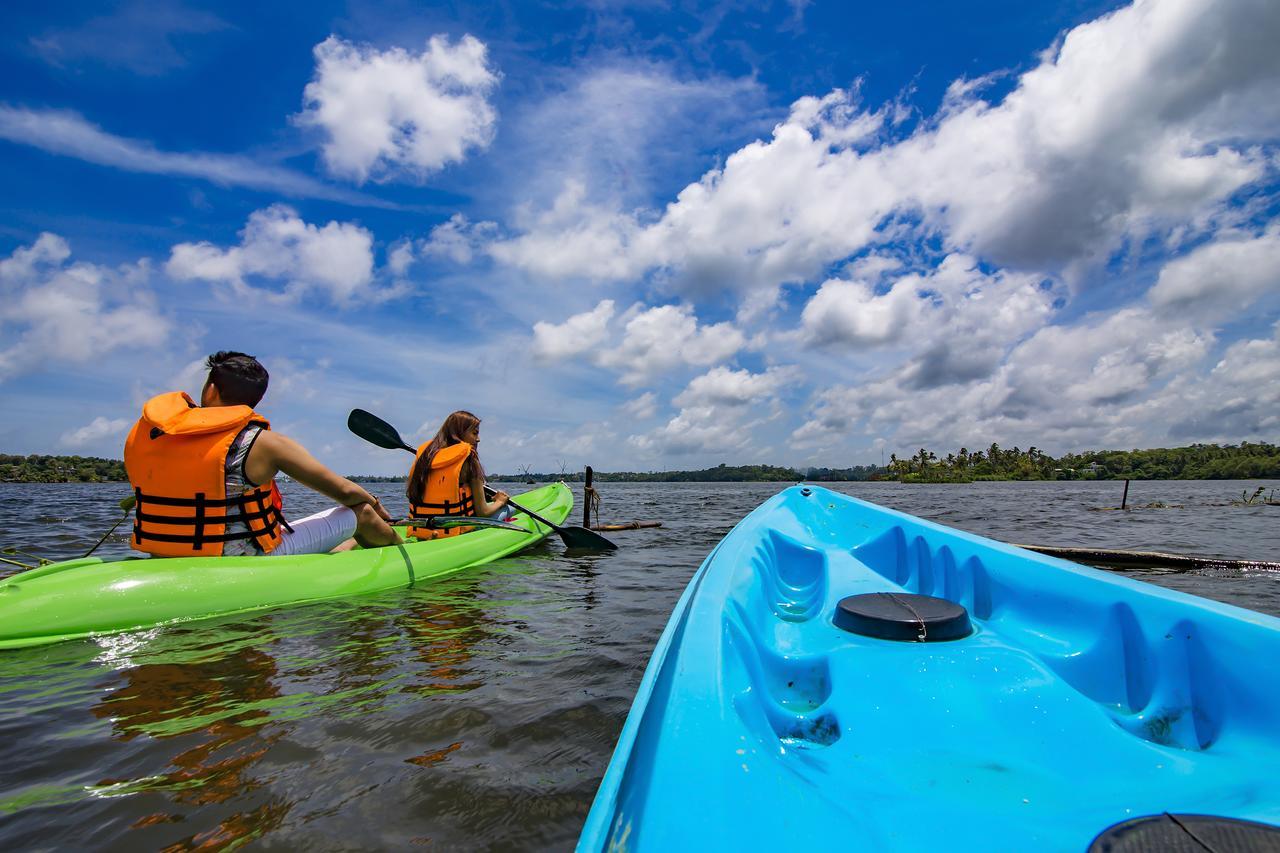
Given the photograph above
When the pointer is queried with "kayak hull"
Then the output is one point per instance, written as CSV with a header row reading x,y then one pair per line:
x,y
1080,700
88,597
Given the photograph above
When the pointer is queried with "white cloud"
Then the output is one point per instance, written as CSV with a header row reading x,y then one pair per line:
x,y
643,407
70,135
400,258
721,386
53,312
1238,399
580,333
696,430
97,429
654,341
390,114
1222,277
1091,384
573,238
276,245
854,314
719,413
955,323
657,340
1045,179
458,239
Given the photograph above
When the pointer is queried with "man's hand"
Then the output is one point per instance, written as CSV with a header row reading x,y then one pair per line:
x,y
380,509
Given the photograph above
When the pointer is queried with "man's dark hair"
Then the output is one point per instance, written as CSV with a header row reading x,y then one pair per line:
x,y
239,378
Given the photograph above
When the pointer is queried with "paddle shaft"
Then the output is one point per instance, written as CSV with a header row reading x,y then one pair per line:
x,y
490,490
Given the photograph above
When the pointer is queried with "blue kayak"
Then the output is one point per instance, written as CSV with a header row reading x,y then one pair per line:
x,y
844,676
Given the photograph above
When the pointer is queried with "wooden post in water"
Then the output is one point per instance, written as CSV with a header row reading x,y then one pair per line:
x,y
1125,499
586,499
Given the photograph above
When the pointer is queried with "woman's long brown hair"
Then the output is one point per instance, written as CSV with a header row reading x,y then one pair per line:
x,y
450,433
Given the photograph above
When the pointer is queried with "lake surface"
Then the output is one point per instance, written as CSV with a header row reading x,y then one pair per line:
x,y
476,712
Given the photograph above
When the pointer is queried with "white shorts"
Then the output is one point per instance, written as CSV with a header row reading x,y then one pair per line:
x,y
319,533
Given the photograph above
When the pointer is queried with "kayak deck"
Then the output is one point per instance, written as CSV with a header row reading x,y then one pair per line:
x,y
87,597
1080,700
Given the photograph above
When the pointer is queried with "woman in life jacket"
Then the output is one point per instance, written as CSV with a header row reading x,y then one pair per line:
x,y
447,478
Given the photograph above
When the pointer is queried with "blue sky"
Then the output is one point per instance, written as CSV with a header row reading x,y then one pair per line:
x,y
648,235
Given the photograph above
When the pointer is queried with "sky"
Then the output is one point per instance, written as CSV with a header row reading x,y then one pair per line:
x,y
648,235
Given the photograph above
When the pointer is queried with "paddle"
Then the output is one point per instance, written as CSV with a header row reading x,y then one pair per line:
x,y
439,523
375,430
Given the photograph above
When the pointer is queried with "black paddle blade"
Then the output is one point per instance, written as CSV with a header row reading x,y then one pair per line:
x,y
582,539
375,430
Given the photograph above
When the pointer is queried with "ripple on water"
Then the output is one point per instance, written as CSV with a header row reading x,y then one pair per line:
x,y
479,711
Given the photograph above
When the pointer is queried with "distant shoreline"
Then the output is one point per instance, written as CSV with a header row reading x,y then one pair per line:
x,y
1246,461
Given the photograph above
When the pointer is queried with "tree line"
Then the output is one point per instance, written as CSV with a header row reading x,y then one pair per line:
x,y
1247,460
1243,461
719,474
60,469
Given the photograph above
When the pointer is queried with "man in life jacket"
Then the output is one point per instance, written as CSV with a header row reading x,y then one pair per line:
x,y
204,477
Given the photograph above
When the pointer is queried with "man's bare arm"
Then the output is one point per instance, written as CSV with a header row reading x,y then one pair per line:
x,y
273,452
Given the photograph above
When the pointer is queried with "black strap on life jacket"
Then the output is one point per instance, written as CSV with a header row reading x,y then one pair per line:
x,y
466,506
192,526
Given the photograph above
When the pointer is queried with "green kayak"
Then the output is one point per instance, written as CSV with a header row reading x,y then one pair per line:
x,y
87,597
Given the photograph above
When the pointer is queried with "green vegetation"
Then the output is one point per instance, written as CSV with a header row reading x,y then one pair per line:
x,y
1245,461
1197,462
719,474
60,469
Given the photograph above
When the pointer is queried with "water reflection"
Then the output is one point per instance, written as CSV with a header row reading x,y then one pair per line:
x,y
474,711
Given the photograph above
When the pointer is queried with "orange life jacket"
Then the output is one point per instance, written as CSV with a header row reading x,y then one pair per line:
x,y
176,457
444,493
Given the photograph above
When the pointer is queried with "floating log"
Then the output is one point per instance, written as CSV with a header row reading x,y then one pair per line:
x,y
1151,559
628,525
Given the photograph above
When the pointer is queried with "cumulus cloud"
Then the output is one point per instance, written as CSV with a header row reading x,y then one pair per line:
x,y
695,430
580,333
57,312
653,341
277,246
656,340
457,239
1091,383
1222,277
1240,397
1045,179
956,322
722,386
573,238
387,114
854,314
719,412
96,430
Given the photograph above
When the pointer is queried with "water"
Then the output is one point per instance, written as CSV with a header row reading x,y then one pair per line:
x,y
477,712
